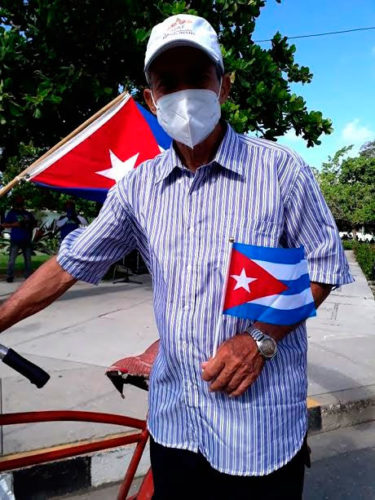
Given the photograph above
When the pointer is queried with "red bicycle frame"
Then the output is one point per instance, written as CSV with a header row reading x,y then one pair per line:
x,y
36,457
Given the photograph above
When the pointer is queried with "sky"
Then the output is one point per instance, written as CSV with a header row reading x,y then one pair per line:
x,y
343,86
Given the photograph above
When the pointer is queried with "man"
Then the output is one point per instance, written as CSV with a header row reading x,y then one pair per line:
x,y
233,425
70,220
21,222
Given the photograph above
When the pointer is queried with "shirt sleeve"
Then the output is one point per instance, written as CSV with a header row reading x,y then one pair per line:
x,y
309,223
61,222
87,253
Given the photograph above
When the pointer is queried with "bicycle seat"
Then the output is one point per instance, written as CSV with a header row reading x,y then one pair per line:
x,y
133,370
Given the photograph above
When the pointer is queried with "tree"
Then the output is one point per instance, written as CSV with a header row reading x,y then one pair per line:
x,y
368,149
60,60
348,185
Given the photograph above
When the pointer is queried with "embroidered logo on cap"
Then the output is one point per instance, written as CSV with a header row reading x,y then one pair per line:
x,y
179,27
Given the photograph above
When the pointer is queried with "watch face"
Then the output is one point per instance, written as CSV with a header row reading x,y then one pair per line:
x,y
268,348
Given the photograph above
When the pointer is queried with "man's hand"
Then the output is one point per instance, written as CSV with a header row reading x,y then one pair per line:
x,y
235,367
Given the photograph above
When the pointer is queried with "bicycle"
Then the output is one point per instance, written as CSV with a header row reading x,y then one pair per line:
x,y
133,370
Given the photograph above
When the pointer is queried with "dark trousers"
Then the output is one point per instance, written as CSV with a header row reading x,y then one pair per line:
x,y
13,252
184,475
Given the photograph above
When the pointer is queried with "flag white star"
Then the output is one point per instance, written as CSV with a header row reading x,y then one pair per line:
x,y
119,168
242,280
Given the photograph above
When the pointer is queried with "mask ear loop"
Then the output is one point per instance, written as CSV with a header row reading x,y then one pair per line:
x,y
153,101
218,95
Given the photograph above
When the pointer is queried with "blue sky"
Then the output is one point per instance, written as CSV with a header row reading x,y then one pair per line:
x,y
343,86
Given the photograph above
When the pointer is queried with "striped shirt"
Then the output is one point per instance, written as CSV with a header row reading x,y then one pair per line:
x,y
260,193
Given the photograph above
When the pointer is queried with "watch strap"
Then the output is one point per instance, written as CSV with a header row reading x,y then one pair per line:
x,y
255,333
259,336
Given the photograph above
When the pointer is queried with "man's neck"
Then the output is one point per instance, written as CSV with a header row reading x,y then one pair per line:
x,y
202,153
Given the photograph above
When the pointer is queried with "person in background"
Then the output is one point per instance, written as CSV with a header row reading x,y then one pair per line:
x,y
70,220
21,223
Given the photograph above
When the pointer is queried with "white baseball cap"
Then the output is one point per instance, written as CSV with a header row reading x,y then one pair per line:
x,y
183,30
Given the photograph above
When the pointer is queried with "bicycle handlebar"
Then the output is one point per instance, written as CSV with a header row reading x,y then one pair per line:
x,y
23,366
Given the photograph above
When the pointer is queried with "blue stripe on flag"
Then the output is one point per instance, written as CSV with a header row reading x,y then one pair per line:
x,y
270,315
276,255
94,194
161,137
296,286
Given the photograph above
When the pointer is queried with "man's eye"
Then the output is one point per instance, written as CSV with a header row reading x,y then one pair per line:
x,y
198,80
167,85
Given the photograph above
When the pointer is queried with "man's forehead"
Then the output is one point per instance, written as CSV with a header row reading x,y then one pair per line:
x,y
178,58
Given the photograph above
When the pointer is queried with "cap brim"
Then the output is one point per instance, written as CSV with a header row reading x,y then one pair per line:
x,y
180,43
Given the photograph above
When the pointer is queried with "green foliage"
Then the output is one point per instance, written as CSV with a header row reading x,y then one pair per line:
x,y
368,150
365,255
61,60
348,185
348,244
36,196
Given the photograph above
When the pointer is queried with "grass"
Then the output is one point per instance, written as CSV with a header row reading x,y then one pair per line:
x,y
36,261
348,244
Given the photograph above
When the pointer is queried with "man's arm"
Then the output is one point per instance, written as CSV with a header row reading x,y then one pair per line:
x,y
43,287
8,225
238,361
320,292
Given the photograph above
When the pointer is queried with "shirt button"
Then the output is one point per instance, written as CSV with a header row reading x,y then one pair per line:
x,y
184,345
189,267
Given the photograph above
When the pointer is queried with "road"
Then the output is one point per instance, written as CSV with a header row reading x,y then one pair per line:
x,y
343,465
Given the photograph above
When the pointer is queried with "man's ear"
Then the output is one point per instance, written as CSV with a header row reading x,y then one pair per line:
x,y
225,88
149,101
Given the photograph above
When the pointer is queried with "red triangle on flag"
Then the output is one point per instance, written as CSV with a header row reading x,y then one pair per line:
x,y
126,135
248,281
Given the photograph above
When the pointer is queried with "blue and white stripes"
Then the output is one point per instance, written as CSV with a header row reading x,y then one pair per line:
x,y
281,294
261,194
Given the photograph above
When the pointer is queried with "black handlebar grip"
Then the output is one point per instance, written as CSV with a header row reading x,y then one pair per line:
x,y
26,368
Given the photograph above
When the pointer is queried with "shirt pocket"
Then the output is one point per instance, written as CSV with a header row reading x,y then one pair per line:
x,y
266,233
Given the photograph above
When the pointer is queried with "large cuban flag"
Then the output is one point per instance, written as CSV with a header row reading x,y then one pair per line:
x,y
94,159
271,285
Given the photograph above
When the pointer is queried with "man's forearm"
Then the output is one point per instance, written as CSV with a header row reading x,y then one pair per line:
x,y
37,292
320,292
9,225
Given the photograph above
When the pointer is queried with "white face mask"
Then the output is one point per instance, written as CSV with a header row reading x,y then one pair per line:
x,y
189,116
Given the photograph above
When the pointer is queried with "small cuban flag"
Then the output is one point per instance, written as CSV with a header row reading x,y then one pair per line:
x,y
271,285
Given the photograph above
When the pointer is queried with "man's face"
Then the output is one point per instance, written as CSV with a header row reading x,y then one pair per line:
x,y
183,68
19,202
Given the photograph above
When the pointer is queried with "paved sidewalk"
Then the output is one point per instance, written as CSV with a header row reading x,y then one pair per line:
x,y
89,328
341,354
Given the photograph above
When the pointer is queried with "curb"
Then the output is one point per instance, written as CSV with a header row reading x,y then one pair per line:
x,y
330,411
326,412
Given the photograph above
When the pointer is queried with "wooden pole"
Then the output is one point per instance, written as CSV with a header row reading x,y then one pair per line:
x,y
224,292
76,131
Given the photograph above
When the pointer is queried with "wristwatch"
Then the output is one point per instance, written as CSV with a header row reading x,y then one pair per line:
x,y
266,345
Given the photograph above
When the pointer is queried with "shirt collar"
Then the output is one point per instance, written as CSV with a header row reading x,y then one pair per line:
x,y
227,156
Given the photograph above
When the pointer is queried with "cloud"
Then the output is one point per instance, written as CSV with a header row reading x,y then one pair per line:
x,y
291,136
357,134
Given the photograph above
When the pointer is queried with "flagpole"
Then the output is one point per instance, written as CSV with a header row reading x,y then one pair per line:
x,y
24,173
219,320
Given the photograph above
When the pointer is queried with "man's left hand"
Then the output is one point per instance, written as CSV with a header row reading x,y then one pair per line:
x,y
235,367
